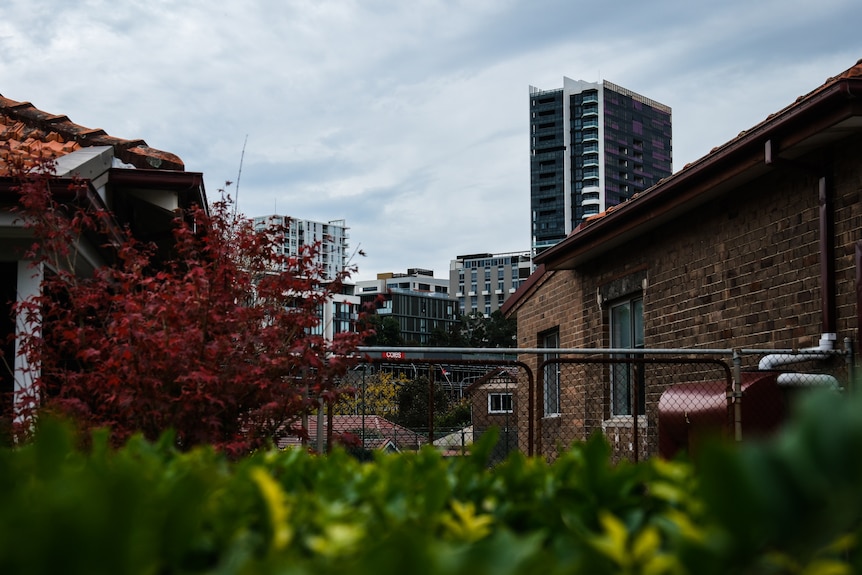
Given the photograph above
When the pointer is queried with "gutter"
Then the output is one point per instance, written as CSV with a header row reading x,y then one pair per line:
x,y
189,184
65,191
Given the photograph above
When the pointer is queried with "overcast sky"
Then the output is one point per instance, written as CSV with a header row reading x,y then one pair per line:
x,y
406,118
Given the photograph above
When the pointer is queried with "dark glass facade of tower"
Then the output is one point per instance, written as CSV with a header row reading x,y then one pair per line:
x,y
592,146
547,168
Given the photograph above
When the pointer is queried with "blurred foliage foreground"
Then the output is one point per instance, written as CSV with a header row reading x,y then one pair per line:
x,y
790,505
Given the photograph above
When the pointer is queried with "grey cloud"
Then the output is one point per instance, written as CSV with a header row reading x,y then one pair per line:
x,y
409,120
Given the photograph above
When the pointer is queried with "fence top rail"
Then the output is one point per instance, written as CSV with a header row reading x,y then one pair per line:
x,y
593,351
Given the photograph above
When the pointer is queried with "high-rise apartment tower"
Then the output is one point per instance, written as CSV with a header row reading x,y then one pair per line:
x,y
592,146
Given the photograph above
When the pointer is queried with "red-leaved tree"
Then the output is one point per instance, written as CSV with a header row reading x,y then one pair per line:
x,y
216,341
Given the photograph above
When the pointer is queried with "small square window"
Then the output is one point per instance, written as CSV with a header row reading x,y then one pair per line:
x,y
499,403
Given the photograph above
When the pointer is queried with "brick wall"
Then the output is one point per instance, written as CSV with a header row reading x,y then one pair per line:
x,y
742,271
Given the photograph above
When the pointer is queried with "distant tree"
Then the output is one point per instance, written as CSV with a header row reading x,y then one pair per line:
x,y
414,403
216,342
375,394
443,337
457,415
477,330
501,331
473,329
384,330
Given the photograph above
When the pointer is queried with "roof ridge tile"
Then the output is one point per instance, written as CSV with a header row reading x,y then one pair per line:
x,y
20,121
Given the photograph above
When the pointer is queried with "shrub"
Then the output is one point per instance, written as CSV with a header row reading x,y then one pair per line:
x,y
214,339
787,506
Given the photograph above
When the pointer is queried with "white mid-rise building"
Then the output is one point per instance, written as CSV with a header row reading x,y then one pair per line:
x,y
339,313
330,237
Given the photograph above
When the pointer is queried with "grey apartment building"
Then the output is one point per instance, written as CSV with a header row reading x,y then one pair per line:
x,y
482,282
592,146
417,300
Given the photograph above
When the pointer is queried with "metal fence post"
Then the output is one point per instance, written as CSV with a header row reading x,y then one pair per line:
x,y
430,404
736,395
364,370
636,367
538,407
329,432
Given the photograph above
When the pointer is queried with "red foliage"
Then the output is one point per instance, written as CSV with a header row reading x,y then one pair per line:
x,y
215,343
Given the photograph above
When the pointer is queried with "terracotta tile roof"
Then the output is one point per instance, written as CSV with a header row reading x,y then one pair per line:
x,y
27,134
497,375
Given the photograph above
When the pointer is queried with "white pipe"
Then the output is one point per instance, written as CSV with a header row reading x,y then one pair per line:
x,y
772,361
808,380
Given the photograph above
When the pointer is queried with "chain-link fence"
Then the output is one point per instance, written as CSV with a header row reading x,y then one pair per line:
x,y
628,398
645,402
398,403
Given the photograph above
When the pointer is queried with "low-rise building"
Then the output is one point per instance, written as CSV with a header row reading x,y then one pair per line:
x,y
367,432
493,405
419,302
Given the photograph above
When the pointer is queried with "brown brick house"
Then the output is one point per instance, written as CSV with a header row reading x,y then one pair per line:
x,y
493,404
756,245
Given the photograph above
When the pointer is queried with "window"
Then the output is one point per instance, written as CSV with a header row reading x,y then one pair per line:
x,y
551,374
627,332
499,403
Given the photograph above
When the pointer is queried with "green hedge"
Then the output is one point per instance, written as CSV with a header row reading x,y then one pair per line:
x,y
792,505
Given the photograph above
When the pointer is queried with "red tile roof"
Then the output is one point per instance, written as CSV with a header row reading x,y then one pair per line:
x,y
379,432
27,134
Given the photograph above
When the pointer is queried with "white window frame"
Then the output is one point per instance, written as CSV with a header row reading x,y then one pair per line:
x,y
551,375
626,333
501,396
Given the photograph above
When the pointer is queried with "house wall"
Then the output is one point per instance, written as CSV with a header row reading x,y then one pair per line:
x,y
483,419
557,303
8,291
506,423
740,271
